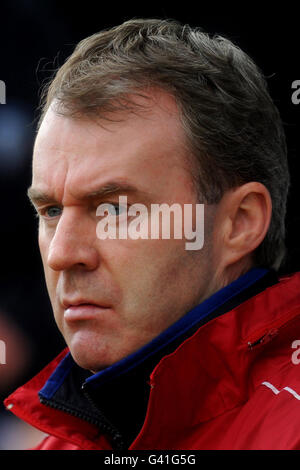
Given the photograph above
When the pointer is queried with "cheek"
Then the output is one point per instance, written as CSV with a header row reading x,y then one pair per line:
x,y
51,276
143,268
43,244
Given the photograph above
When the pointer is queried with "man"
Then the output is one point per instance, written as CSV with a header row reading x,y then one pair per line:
x,y
168,348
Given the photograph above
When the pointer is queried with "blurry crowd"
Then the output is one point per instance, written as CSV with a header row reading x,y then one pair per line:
x,y
30,34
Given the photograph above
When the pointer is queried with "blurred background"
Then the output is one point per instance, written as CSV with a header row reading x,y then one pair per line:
x,y
36,37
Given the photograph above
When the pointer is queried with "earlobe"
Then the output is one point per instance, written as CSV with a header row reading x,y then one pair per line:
x,y
245,220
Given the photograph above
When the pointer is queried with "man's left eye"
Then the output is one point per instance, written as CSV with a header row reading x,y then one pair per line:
x,y
115,209
119,209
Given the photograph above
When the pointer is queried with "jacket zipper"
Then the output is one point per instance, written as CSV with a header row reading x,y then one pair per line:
x,y
98,420
106,426
266,335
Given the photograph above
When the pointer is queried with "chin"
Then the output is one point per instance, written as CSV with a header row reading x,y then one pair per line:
x,y
95,352
89,356
89,361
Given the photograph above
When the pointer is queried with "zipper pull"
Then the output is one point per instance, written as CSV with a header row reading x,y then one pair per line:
x,y
263,339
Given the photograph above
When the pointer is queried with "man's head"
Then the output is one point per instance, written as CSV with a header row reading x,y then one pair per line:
x,y
168,115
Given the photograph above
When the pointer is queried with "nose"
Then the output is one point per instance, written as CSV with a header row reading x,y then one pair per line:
x,y
73,243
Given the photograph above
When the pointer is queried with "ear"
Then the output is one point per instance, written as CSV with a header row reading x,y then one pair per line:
x,y
242,220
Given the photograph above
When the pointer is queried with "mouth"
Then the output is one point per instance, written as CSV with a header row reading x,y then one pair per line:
x,y
83,309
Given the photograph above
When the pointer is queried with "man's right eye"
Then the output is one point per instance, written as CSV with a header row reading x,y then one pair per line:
x,y
50,212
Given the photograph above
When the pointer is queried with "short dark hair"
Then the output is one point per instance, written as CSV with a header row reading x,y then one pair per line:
x,y
233,128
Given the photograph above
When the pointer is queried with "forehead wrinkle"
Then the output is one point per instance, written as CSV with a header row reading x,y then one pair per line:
x,y
110,187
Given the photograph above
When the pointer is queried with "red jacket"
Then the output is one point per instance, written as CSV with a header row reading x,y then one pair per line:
x,y
234,384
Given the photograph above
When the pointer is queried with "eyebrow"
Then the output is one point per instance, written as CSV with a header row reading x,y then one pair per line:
x,y
39,197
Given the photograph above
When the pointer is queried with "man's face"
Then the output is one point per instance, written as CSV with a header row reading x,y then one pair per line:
x,y
110,297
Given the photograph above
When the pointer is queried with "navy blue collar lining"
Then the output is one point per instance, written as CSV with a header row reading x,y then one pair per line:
x,y
174,331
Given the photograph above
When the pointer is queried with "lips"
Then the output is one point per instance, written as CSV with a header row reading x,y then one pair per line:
x,y
83,309
67,303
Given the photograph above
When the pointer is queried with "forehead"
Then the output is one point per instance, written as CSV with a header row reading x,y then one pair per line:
x,y
77,155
